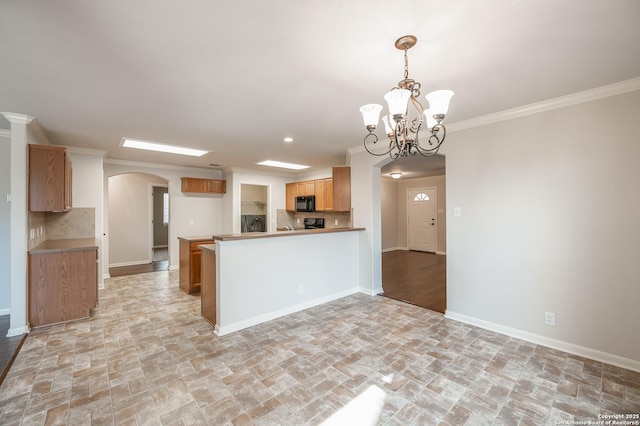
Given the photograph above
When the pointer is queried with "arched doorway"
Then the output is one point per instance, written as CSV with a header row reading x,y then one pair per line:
x,y
132,234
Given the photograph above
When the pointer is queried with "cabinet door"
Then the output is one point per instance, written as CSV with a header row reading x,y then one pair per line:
x,y
321,195
309,188
328,194
291,193
193,185
63,286
49,179
342,189
216,186
301,189
67,181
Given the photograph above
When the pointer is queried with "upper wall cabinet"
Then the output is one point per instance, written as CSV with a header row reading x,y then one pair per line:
x,y
49,178
332,194
207,186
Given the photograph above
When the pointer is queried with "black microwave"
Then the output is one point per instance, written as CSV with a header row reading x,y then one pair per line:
x,y
306,204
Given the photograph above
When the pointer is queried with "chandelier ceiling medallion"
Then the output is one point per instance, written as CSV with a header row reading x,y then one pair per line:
x,y
407,117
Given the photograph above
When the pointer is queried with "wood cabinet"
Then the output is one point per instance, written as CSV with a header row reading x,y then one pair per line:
x,y
332,194
209,186
63,286
305,188
341,189
329,194
291,192
208,293
190,260
49,178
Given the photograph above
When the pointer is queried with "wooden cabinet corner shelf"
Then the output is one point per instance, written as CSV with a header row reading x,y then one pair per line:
x,y
49,178
207,186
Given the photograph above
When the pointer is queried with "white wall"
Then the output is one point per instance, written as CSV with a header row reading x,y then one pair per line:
x,y
549,223
275,195
389,214
5,222
258,279
87,190
189,214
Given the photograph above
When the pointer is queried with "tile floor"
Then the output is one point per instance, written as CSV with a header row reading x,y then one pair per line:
x,y
146,357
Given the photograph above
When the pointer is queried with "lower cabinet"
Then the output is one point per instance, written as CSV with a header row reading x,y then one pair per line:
x,y
208,294
63,286
190,260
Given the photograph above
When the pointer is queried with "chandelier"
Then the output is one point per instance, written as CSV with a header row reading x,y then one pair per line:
x,y
407,117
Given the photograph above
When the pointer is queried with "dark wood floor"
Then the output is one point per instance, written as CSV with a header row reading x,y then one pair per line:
x,y
415,277
9,347
118,271
160,263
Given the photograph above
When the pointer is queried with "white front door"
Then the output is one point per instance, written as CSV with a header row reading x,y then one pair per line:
x,y
421,209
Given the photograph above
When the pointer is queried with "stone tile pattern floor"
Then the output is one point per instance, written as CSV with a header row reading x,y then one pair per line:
x,y
146,357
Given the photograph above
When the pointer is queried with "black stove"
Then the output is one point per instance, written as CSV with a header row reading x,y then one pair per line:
x,y
313,223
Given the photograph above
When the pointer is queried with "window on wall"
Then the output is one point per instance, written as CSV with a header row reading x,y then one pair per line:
x,y
165,208
421,196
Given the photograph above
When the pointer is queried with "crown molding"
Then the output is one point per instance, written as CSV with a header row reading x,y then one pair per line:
x,y
550,104
12,117
618,88
155,165
86,151
38,133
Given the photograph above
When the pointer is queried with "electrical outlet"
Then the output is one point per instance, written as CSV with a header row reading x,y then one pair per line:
x,y
190,221
301,289
298,220
550,318
336,222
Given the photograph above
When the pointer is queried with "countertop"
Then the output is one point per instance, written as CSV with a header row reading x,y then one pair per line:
x,y
211,247
197,238
73,244
256,235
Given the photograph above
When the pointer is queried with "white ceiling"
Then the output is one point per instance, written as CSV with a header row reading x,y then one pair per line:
x,y
236,77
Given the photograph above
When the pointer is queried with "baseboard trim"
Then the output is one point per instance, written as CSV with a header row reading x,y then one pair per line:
x,y
560,345
5,311
134,263
395,248
259,319
174,267
18,331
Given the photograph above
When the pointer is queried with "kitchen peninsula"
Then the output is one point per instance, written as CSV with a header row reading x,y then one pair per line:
x,y
251,278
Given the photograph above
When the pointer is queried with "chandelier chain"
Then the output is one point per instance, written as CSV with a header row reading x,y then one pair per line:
x,y
406,65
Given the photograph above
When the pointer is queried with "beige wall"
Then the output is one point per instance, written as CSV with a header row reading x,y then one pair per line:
x,y
129,226
393,195
549,223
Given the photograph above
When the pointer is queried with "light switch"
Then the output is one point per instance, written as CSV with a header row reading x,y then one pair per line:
x,y
457,212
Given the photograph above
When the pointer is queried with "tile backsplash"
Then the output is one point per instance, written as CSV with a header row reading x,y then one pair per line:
x,y
76,223
296,219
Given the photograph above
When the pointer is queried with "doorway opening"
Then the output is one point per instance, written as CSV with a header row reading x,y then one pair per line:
x,y
134,212
413,213
254,208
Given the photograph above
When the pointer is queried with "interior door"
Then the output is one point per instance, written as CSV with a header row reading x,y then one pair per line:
x,y
421,211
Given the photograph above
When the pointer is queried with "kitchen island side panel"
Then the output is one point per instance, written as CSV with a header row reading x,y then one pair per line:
x,y
265,278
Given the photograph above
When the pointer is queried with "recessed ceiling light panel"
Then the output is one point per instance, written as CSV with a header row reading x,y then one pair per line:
x,y
282,165
287,139
153,146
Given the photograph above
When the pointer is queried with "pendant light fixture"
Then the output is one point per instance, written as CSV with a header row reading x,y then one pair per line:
x,y
407,117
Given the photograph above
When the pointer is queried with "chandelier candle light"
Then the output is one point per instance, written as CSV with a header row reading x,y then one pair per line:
x,y
403,124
